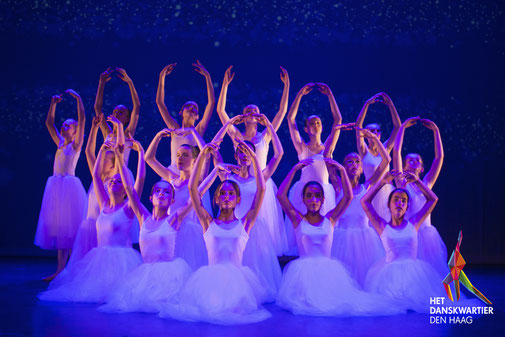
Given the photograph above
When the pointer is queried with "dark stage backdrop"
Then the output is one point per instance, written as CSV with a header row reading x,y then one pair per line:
x,y
439,60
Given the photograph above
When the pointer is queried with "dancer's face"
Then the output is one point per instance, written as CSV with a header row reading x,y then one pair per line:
x,y
243,159
68,129
398,204
375,129
122,114
226,197
162,194
414,163
352,165
189,112
115,185
313,198
109,161
185,158
313,125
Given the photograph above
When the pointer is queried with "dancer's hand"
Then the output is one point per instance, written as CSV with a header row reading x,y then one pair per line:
x,y
429,124
411,121
56,99
121,73
72,93
323,88
167,70
105,76
228,76
284,76
199,68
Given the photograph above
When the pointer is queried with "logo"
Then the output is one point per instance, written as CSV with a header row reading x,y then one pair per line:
x,y
456,264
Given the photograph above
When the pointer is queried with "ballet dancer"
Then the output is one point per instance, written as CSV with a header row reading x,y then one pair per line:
x,y
64,201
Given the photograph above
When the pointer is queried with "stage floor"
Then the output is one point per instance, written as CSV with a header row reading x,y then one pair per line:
x,y
21,314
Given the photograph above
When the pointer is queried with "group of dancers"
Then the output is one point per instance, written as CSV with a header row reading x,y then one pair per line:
x,y
364,248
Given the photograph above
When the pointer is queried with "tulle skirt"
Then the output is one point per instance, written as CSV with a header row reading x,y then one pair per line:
x,y
358,248
63,208
431,248
295,196
148,287
190,245
85,240
220,294
320,286
94,277
260,256
412,282
271,212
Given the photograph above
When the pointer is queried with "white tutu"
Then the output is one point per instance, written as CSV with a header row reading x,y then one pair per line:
x,y
190,245
148,286
358,248
220,294
412,282
93,277
85,240
260,256
271,212
320,286
431,248
63,209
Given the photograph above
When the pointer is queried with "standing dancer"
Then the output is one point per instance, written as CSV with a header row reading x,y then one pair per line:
x,y
98,273
64,202
85,238
224,292
315,284
161,276
261,141
190,245
400,275
431,247
355,243
189,112
369,153
313,149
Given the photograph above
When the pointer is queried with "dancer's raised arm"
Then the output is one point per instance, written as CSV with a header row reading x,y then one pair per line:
x,y
282,193
51,127
278,150
360,141
397,148
221,104
159,168
395,118
431,177
431,200
81,120
160,98
333,137
196,199
90,150
201,127
104,78
250,217
102,196
283,106
293,111
342,205
134,115
335,112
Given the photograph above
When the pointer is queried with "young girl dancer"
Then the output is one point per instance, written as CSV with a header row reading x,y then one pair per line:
x,y
313,149
261,141
190,245
354,242
431,247
99,272
259,255
189,112
315,284
161,276
64,202
223,292
86,234
369,153
400,275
